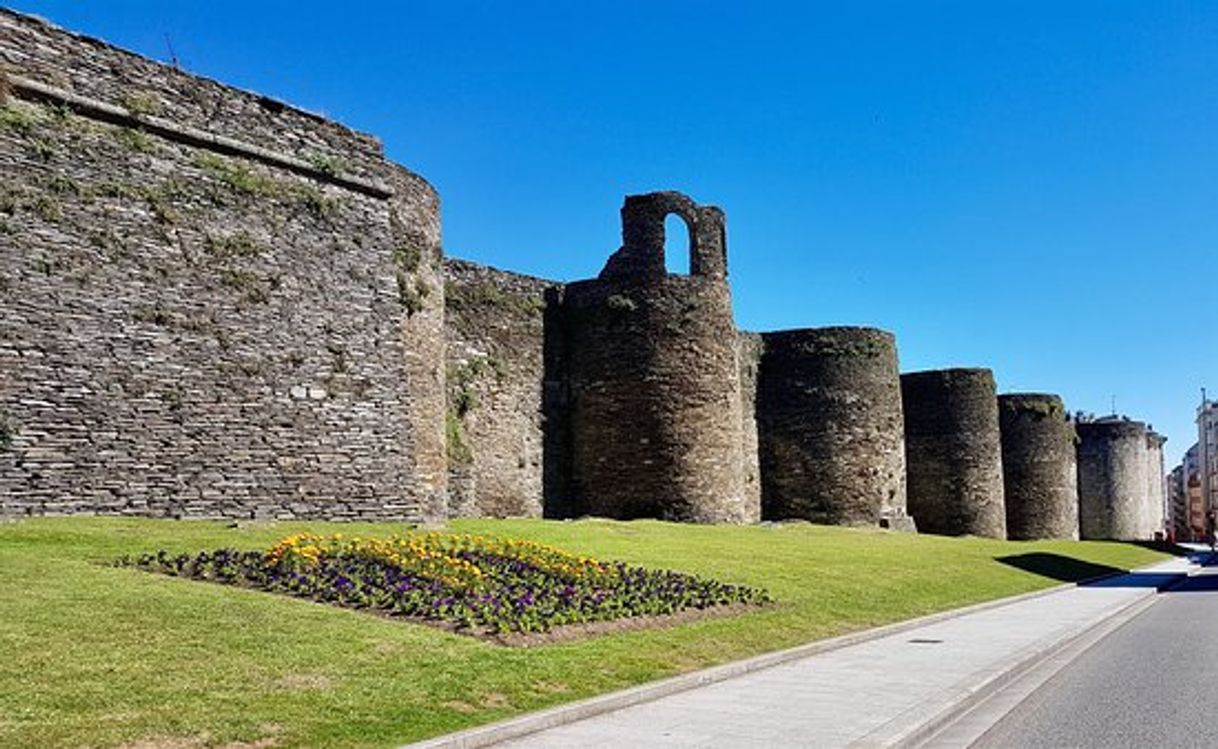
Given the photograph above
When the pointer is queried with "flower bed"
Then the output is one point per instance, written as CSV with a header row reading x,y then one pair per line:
x,y
475,584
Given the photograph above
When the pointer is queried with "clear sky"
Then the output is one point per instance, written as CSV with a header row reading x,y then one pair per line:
x,y
1026,186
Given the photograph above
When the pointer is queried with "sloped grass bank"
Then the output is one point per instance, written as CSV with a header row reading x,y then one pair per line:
x,y
96,655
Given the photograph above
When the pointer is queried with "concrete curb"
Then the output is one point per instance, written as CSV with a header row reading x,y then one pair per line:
x,y
529,723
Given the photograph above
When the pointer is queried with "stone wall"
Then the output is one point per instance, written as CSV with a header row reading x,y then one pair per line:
x,y
953,452
216,305
750,346
1040,485
1112,481
830,428
1156,482
655,406
501,364
212,304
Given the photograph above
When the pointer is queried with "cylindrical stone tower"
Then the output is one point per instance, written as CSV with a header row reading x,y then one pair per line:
x,y
1038,470
1112,483
953,452
830,433
1156,506
655,411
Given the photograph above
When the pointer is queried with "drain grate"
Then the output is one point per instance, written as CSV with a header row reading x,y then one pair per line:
x,y
925,641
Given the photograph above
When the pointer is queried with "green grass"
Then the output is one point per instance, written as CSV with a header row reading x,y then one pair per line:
x,y
101,656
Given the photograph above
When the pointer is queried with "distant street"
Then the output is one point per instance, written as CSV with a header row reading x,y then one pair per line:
x,y
1153,682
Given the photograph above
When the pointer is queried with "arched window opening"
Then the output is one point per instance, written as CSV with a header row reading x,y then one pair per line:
x,y
678,245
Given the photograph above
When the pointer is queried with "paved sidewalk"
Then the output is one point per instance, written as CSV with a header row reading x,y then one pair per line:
x,y
875,693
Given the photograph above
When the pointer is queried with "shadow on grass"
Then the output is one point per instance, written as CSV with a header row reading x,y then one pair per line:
x,y
1198,554
1070,570
1059,567
1167,547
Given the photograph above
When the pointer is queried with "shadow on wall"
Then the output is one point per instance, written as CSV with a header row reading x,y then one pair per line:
x,y
557,503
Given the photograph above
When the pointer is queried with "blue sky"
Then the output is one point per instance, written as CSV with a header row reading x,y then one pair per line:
x,y
1027,186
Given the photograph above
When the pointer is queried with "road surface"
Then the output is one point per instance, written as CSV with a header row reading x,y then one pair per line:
x,y
1153,682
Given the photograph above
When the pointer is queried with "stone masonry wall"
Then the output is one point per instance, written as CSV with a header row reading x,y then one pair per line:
x,y
498,377
1038,467
1156,482
212,304
654,378
830,428
1112,482
953,452
750,346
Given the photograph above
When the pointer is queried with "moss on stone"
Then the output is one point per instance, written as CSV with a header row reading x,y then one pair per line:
x,y
45,205
326,163
153,315
47,208
458,296
252,288
843,348
142,103
121,190
407,257
9,429
18,118
315,201
458,449
462,400
413,288
238,177
1042,407
63,185
134,140
237,245
621,303
463,376
43,149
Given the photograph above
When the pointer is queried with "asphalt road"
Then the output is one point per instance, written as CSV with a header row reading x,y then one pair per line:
x,y
1151,683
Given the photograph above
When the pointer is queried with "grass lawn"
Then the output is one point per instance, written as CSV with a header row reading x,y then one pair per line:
x,y
101,656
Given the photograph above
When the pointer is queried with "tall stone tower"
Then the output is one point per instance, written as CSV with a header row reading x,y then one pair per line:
x,y
1038,467
953,452
1113,500
1156,482
829,427
655,413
